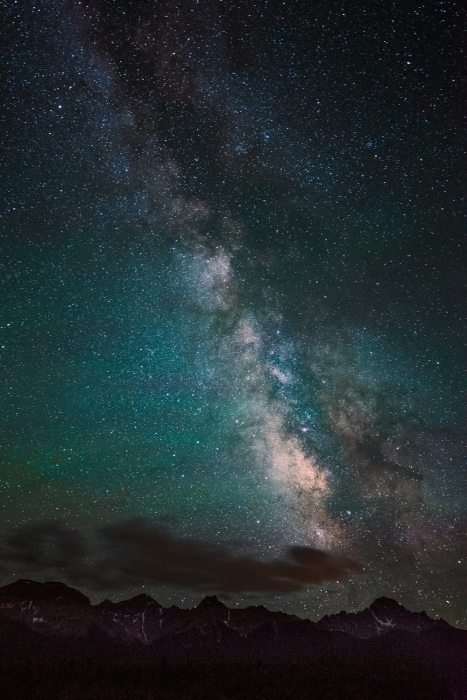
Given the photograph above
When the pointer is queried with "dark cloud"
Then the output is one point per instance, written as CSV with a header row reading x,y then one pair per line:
x,y
135,552
45,544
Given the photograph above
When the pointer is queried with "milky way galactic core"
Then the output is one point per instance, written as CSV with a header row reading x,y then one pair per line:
x,y
233,302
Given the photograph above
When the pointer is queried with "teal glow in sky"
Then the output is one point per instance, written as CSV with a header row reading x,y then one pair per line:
x,y
232,291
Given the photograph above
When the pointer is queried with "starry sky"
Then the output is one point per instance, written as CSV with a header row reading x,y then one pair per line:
x,y
233,301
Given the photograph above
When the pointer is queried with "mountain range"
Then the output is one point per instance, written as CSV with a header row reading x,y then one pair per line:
x,y
55,644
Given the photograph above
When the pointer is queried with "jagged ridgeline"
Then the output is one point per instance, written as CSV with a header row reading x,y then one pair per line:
x,y
55,644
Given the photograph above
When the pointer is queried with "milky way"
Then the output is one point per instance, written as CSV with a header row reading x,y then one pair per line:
x,y
233,302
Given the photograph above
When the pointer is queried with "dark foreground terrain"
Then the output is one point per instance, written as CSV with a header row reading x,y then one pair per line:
x,y
55,644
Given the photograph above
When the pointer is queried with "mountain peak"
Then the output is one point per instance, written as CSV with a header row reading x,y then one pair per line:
x,y
386,603
53,591
388,606
143,599
211,602
137,603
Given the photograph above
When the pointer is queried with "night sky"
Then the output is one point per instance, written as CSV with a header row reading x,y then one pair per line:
x,y
233,301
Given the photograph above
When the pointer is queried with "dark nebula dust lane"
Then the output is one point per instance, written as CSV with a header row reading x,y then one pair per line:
x,y
233,301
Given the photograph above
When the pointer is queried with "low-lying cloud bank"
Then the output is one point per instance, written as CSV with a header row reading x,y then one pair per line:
x,y
139,552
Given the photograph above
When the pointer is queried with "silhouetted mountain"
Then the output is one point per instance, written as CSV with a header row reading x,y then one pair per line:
x,y
51,591
55,644
380,618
